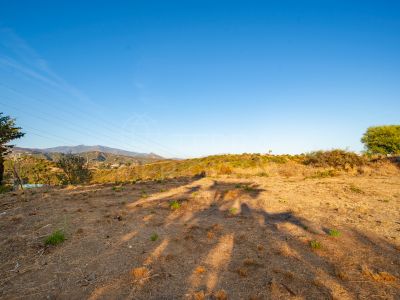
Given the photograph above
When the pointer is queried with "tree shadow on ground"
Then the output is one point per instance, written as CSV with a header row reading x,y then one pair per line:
x,y
222,240
207,250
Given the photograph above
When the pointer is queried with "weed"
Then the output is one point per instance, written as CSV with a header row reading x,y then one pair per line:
x,y
248,188
233,210
144,194
324,174
315,244
154,237
334,232
174,205
117,188
57,237
355,189
5,189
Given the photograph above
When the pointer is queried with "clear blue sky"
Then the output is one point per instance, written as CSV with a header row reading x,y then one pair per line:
x,y
192,78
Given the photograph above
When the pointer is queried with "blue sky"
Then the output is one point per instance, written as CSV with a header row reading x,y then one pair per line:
x,y
192,78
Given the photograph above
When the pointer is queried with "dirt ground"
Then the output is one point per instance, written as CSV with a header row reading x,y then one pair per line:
x,y
229,239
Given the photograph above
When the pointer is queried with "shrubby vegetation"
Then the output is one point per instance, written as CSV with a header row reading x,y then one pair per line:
x,y
75,169
334,158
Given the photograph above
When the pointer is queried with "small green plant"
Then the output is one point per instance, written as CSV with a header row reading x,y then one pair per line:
x,y
248,188
144,194
315,244
57,237
5,189
238,186
117,188
154,237
334,232
174,205
233,210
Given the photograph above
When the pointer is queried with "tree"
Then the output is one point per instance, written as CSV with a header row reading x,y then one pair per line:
x,y
8,132
75,168
382,139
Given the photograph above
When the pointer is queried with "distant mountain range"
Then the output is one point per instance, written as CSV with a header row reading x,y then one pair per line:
x,y
83,149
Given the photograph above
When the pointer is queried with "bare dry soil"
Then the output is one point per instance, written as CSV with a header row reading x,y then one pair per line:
x,y
208,238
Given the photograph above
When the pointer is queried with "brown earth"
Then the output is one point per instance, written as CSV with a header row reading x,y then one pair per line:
x,y
229,239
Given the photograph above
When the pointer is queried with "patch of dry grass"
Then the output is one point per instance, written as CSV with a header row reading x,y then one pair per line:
x,y
377,276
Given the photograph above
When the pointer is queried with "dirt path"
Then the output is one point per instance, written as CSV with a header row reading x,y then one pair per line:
x,y
229,239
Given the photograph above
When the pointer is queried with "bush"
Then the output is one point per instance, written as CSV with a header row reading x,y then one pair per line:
x,y
334,158
382,139
57,237
75,169
5,189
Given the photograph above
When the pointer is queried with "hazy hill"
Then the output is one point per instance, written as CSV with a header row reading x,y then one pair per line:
x,y
83,149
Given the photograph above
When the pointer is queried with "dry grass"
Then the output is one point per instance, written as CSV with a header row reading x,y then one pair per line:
x,y
377,276
200,270
140,273
220,295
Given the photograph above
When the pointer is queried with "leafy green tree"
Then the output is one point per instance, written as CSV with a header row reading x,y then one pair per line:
x,y
75,168
8,132
382,139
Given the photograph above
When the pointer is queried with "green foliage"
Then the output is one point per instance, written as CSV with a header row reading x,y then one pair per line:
x,y
315,244
5,189
174,205
57,237
248,188
8,132
382,139
334,158
154,237
75,169
117,188
233,210
334,233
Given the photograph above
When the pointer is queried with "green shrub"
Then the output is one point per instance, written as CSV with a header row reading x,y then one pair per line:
x,y
334,158
382,139
57,237
174,205
315,244
334,232
154,237
117,188
5,189
233,210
